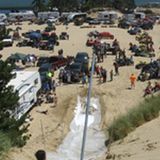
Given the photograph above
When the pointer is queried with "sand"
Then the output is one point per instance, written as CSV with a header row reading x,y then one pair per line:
x,y
116,96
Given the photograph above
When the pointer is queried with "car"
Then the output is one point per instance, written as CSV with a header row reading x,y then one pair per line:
x,y
76,71
25,43
42,60
91,42
88,19
52,20
124,24
94,22
7,41
134,30
64,36
56,61
93,34
83,58
45,45
107,35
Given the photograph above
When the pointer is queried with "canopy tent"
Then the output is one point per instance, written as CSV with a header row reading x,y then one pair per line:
x,y
35,36
17,57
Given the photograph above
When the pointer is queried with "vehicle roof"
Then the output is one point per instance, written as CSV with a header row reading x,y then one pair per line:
x,y
21,77
82,53
75,63
46,65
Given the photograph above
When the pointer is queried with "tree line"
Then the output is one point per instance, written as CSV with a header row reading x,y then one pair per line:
x,y
71,5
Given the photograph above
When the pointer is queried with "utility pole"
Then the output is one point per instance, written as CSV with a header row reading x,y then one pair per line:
x,y
87,109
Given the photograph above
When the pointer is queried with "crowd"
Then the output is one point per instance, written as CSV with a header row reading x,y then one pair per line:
x,y
150,89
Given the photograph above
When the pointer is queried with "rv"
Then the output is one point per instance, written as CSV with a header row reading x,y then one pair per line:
x,y
22,16
139,15
27,84
47,15
107,16
71,17
3,17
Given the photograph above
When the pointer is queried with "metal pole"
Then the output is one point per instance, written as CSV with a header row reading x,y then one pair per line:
x,y
87,109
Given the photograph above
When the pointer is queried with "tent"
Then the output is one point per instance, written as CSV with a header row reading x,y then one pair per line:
x,y
35,36
17,57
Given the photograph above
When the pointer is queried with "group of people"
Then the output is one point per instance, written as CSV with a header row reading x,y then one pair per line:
x,y
101,73
150,89
48,89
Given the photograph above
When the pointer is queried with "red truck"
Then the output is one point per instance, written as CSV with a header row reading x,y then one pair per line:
x,y
54,61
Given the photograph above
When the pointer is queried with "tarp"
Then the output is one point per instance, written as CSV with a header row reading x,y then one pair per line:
x,y
70,149
35,35
17,56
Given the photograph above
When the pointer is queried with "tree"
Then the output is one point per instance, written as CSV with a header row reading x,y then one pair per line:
x,y
124,5
63,5
96,3
8,102
38,5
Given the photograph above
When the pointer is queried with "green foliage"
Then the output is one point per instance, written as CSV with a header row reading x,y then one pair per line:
x,y
63,5
15,134
124,4
38,5
1,45
89,4
5,143
146,111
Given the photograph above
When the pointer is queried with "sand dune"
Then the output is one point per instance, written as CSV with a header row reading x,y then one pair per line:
x,y
117,99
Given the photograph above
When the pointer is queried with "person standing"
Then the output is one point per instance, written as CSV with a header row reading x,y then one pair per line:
x,y
104,72
97,70
111,75
84,79
116,68
133,80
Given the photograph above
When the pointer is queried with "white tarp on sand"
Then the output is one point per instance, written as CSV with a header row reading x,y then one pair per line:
x,y
70,149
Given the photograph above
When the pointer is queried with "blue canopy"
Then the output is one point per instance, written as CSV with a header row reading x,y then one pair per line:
x,y
35,35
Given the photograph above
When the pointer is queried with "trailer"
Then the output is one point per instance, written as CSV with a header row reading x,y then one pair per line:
x,y
71,17
139,15
27,84
47,15
21,16
107,16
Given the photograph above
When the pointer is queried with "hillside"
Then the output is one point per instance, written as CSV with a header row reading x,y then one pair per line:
x,y
142,144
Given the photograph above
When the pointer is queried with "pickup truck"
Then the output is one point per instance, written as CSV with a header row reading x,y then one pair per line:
x,y
55,61
51,64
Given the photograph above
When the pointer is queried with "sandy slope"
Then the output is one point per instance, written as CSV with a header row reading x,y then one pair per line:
x,y
142,144
117,99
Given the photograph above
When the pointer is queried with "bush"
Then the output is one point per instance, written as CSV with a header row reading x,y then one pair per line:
x,y
146,111
5,143
1,45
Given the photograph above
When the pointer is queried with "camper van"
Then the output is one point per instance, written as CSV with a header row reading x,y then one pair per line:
x,y
3,17
22,16
139,15
47,15
27,84
71,17
107,16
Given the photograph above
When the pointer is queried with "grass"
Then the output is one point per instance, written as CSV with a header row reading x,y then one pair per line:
x,y
134,118
5,144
